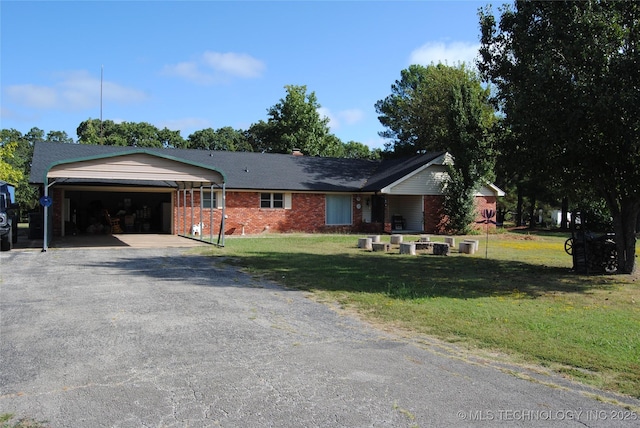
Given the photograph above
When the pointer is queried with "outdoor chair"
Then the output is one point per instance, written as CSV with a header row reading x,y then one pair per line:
x,y
113,223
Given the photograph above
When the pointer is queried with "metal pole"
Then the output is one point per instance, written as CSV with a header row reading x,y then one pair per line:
x,y
224,205
45,242
191,196
201,208
184,211
176,203
211,200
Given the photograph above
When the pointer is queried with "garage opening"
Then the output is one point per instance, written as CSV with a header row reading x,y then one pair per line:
x,y
89,194
91,212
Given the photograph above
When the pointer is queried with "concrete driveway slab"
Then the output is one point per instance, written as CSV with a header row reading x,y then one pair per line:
x,y
130,337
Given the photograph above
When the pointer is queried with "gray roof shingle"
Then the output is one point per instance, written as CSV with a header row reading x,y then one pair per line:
x,y
253,171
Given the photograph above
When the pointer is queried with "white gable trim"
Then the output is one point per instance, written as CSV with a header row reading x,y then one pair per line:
x,y
490,189
409,184
135,166
440,160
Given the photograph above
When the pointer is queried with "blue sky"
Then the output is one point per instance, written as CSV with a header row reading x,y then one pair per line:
x,y
207,64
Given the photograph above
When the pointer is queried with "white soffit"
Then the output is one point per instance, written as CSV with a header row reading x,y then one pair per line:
x,y
136,166
440,160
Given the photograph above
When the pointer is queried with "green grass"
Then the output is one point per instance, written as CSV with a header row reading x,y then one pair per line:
x,y
522,300
7,420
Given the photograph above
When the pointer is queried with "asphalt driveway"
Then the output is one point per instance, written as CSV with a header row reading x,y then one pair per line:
x,y
128,337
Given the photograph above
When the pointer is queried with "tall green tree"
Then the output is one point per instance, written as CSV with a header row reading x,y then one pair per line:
x,y
133,134
356,150
9,172
225,138
294,122
567,80
444,108
58,137
20,160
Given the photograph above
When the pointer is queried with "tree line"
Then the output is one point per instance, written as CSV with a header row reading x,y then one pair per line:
x,y
293,123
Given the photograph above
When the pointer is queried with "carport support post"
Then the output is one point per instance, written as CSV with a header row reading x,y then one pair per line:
x,y
176,198
191,196
201,208
212,207
224,215
45,241
45,237
184,211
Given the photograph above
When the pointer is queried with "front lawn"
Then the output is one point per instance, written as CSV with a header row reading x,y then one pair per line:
x,y
522,300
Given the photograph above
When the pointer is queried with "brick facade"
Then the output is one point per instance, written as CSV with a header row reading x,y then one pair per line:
x,y
435,220
56,211
307,214
482,203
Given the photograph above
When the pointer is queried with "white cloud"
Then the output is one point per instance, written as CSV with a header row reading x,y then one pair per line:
x,y
351,116
446,53
216,67
188,71
325,112
75,90
34,96
337,119
9,114
234,64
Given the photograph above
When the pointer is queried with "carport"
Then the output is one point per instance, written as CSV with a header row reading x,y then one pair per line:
x,y
144,166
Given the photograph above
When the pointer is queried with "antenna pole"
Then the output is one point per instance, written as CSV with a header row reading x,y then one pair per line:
x,y
101,78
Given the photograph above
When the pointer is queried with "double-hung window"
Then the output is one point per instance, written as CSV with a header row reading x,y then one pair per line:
x,y
338,209
208,201
271,200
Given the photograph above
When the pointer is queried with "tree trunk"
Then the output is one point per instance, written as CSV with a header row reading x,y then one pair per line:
x,y
532,212
564,221
625,225
519,221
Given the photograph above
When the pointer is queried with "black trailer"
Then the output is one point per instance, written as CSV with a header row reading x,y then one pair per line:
x,y
591,252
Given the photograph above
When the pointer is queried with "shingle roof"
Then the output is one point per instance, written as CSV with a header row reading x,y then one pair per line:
x,y
254,171
392,170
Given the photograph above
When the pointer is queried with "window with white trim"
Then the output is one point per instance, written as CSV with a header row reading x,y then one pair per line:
x,y
338,209
206,199
271,200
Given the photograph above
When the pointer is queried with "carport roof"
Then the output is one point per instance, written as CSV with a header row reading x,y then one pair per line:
x,y
252,171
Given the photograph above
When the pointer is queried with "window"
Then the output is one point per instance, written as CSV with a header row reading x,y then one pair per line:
x,y
271,200
338,209
206,199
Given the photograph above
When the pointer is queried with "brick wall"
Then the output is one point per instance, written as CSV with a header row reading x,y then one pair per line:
x,y
482,203
435,220
307,214
56,211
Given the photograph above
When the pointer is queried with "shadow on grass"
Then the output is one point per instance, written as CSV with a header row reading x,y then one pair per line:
x,y
416,277
404,277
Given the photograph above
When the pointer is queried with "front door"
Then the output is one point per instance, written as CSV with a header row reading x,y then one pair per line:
x,y
377,209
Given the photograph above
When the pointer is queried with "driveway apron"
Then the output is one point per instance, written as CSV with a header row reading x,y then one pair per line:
x,y
127,337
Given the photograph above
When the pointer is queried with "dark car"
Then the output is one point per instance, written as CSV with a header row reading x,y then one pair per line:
x,y
8,216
